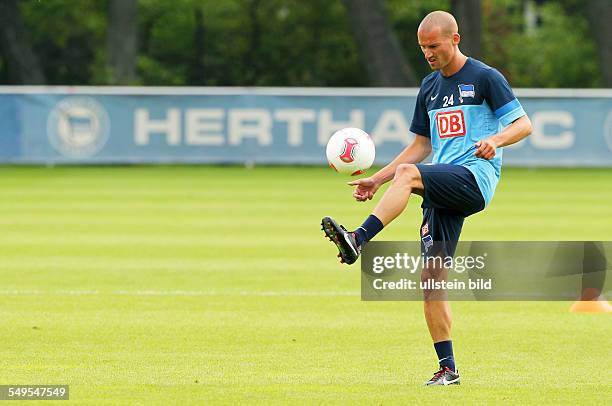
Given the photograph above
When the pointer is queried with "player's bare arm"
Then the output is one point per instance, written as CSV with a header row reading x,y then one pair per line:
x,y
414,153
512,134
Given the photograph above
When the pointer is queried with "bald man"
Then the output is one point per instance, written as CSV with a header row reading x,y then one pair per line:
x,y
465,113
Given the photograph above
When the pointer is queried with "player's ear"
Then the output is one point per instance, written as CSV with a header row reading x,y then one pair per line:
x,y
456,38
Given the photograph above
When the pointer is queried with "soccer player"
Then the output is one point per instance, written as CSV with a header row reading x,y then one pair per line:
x,y
465,113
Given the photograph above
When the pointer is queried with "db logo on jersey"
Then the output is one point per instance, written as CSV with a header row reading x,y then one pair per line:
x,y
451,124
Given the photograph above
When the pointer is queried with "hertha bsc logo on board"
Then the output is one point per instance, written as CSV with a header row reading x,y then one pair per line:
x,y
450,124
78,127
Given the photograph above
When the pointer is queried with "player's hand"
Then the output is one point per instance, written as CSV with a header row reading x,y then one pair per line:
x,y
485,148
365,189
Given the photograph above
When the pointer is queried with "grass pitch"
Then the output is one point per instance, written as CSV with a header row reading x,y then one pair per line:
x,y
195,285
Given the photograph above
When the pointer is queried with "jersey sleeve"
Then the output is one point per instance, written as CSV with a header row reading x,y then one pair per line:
x,y
501,99
420,119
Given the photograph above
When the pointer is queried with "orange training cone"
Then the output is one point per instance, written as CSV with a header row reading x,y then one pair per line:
x,y
596,305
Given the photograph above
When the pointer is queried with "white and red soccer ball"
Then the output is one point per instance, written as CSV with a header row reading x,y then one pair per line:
x,y
350,151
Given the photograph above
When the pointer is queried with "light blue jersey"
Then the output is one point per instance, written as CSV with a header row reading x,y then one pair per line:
x,y
459,110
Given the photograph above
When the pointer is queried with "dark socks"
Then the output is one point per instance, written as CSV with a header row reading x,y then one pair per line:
x,y
368,229
444,349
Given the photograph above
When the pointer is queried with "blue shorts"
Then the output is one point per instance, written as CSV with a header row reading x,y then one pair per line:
x,y
450,195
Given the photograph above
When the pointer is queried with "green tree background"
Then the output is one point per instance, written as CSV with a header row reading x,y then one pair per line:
x,y
293,42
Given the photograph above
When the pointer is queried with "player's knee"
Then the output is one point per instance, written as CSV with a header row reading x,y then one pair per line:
x,y
406,174
430,277
429,273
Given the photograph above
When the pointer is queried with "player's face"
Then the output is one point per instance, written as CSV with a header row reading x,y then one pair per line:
x,y
438,48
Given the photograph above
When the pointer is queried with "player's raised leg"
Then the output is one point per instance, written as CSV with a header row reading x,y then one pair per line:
x,y
407,180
